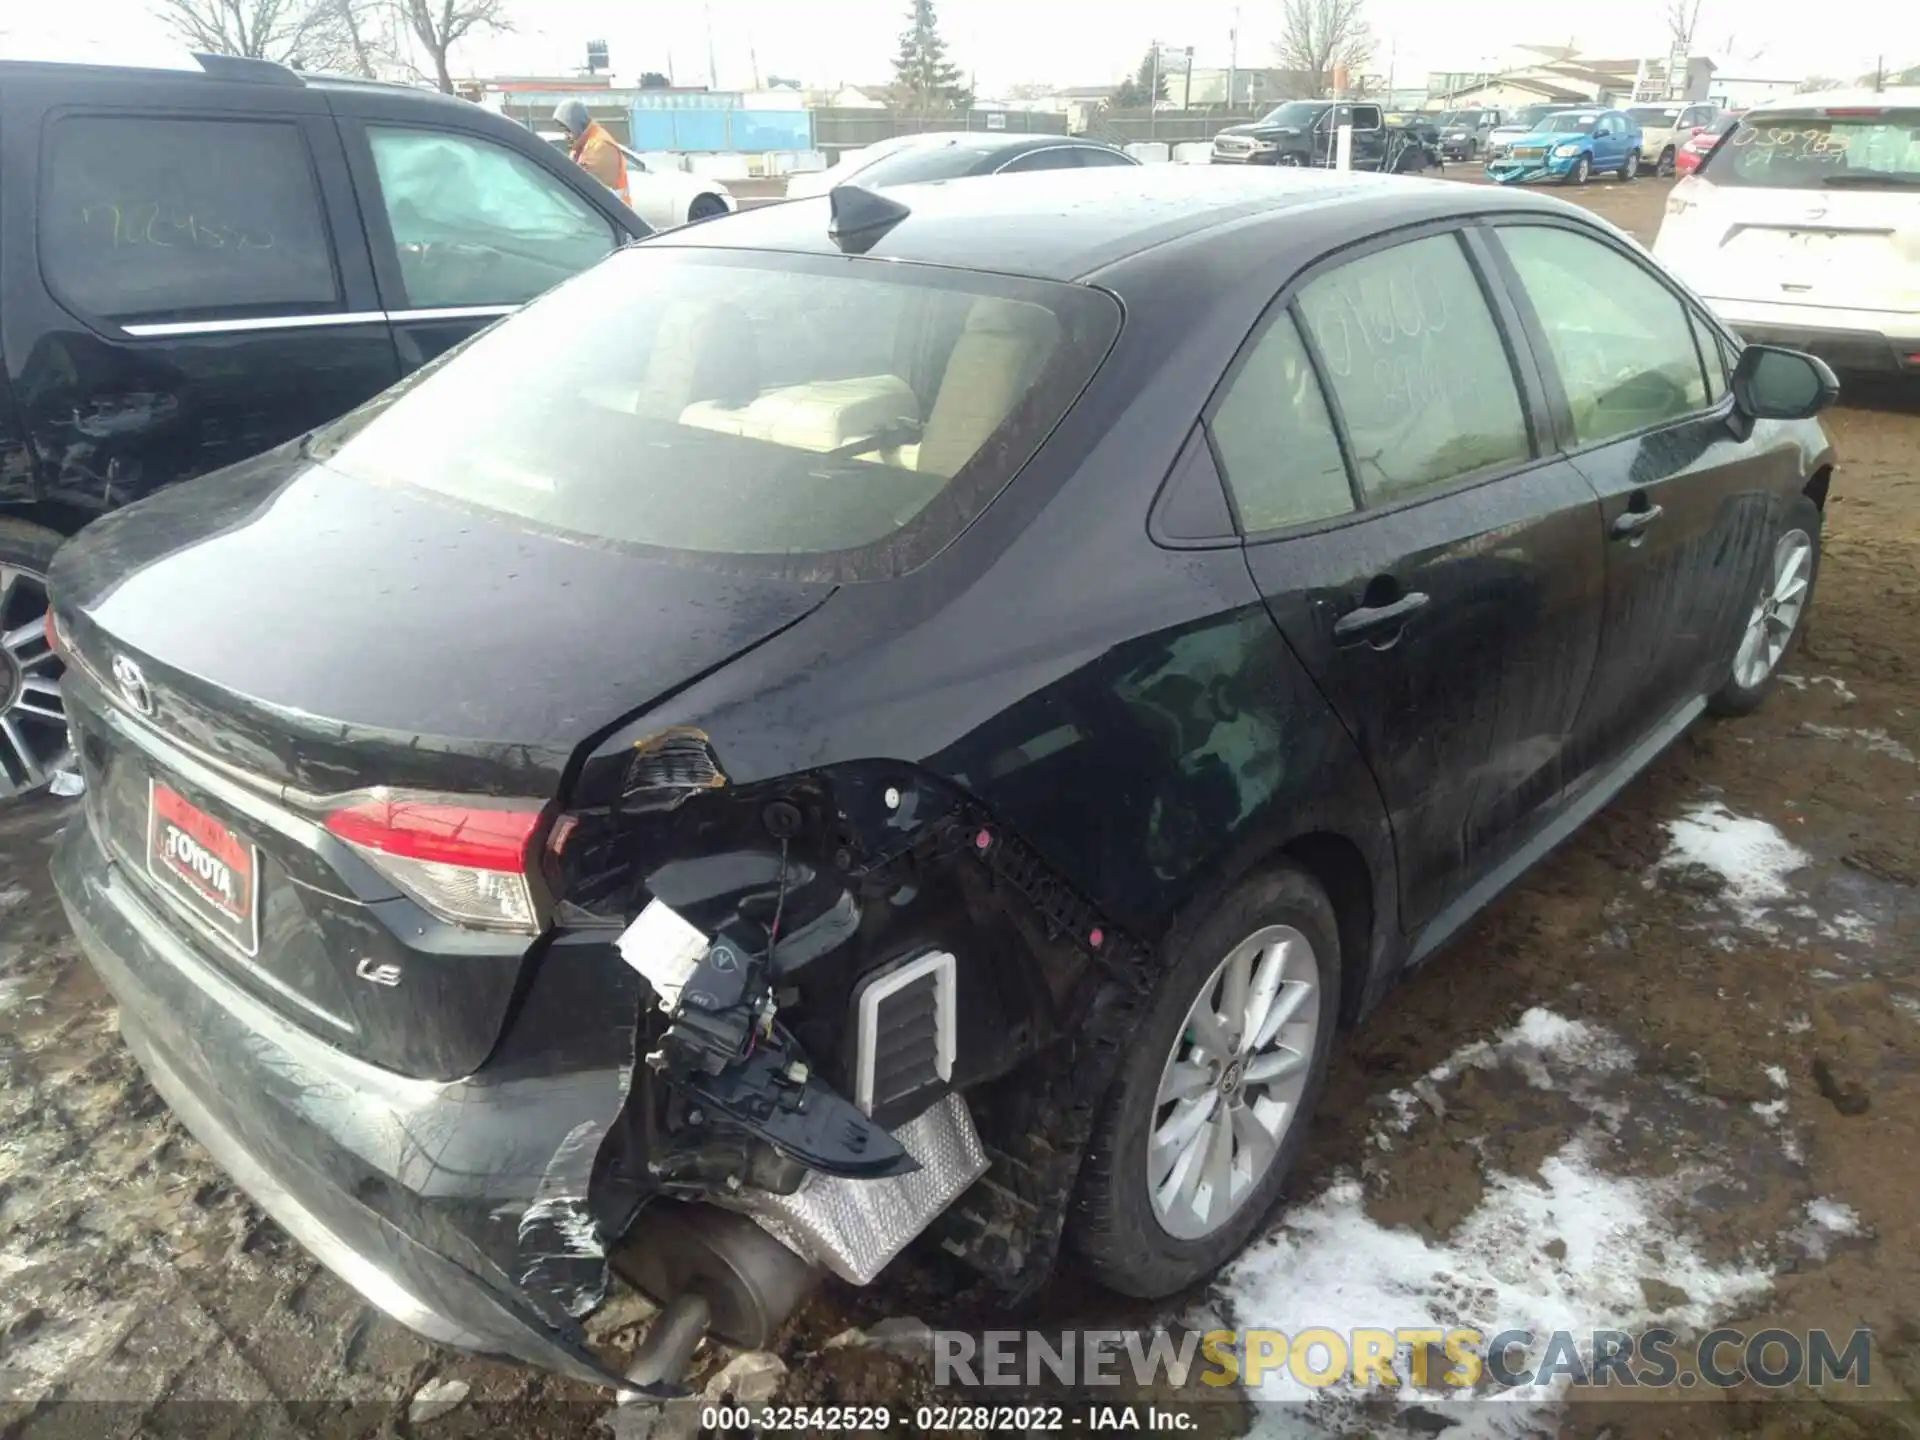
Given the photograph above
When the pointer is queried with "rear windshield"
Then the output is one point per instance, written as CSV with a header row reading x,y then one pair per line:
x,y
818,417
1878,151
1655,117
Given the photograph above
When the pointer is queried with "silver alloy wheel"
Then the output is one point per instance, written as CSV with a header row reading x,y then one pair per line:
x,y
33,720
1232,1084
1782,599
1632,167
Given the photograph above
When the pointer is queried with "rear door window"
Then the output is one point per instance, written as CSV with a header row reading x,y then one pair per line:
x,y
1418,368
1871,150
1275,439
147,219
475,223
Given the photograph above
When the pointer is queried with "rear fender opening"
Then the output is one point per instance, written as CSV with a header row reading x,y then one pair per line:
x,y
816,920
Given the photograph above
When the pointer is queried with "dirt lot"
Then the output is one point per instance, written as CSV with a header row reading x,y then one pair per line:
x,y
1671,1078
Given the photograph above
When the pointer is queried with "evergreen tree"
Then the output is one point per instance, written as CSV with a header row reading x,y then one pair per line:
x,y
922,75
1150,81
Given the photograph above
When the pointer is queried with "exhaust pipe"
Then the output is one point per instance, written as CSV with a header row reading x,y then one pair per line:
x,y
713,1272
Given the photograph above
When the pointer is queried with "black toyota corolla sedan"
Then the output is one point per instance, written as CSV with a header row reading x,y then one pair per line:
x,y
910,713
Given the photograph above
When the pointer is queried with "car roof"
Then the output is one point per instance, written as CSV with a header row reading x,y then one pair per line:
x,y
193,67
1901,97
1069,224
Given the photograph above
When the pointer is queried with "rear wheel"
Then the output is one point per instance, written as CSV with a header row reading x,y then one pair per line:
x,y
705,207
1582,168
1778,615
33,720
1209,1111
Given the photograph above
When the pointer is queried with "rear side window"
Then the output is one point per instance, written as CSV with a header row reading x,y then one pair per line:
x,y
1620,339
477,224
809,416
1053,157
1418,368
148,219
1870,151
1275,440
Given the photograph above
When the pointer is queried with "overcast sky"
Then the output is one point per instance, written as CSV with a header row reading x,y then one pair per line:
x,y
1083,42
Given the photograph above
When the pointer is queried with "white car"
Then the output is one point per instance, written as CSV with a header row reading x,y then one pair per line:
x,y
1803,227
665,198
819,182
1665,128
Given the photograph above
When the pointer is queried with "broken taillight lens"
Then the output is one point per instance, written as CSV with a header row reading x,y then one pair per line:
x,y
466,863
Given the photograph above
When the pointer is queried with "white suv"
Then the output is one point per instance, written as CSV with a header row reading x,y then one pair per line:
x,y
1803,227
1665,128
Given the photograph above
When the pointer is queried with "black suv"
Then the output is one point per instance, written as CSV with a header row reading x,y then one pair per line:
x,y
198,264
1302,132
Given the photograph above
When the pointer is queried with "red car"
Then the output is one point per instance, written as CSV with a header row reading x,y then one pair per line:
x,y
1687,158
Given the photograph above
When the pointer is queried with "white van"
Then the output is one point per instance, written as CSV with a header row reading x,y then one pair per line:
x,y
1803,227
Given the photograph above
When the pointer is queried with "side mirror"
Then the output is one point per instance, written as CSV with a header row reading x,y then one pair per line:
x,y
1772,383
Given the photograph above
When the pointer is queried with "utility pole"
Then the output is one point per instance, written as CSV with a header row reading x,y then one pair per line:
x,y
1233,61
1879,73
1153,95
713,70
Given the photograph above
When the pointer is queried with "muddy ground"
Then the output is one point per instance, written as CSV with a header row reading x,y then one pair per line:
x,y
1762,1081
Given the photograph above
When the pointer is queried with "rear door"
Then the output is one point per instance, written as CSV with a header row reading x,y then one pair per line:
x,y
1436,570
468,222
1820,209
196,288
1638,384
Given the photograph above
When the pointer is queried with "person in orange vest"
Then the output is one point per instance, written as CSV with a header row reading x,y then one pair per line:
x,y
594,149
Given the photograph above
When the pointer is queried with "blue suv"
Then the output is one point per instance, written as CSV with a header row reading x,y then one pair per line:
x,y
1569,146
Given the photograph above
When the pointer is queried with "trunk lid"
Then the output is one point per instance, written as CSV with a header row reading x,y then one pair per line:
x,y
278,632
1838,249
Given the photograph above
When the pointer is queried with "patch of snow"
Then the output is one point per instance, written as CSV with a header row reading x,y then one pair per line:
x,y
14,895
1770,1110
1330,1265
434,1399
1848,926
1751,857
1777,1075
1827,1221
1876,742
1840,689
12,991
1797,1025
1834,1215
1539,1042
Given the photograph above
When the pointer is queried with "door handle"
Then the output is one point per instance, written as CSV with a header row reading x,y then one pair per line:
x,y
1631,523
1370,620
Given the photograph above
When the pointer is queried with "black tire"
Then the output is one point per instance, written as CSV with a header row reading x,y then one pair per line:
x,y
1733,698
705,207
1582,169
26,547
1664,166
1113,1230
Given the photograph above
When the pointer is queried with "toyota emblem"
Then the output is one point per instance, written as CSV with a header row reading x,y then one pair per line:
x,y
133,684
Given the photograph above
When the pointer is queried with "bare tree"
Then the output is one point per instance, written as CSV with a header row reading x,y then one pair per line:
x,y
1319,37
1683,21
339,35
439,25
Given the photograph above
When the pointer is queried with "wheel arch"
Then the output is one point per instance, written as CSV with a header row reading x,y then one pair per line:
x,y
1341,869
1816,488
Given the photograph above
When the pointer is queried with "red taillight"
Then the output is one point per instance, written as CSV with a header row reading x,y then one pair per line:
x,y
1854,110
477,837
466,863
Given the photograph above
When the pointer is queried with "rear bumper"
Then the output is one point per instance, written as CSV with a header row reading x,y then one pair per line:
x,y
1861,341
416,1193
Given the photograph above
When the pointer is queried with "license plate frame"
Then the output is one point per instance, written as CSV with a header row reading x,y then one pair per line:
x,y
226,899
